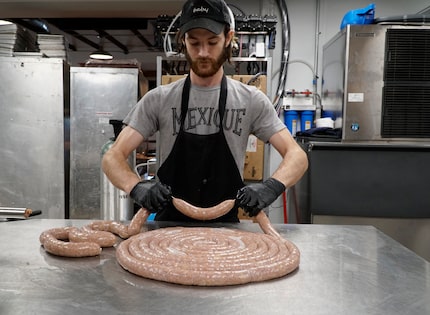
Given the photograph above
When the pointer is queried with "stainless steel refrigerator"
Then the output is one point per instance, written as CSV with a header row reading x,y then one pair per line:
x,y
33,110
97,94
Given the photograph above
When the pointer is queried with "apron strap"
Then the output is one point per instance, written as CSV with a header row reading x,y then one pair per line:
x,y
185,99
222,101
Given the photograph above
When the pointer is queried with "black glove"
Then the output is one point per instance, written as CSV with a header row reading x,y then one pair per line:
x,y
254,197
153,197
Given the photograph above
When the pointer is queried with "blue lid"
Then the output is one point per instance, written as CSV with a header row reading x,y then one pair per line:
x,y
359,16
290,112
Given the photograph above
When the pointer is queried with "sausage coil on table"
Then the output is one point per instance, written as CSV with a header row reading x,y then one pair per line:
x,y
89,240
184,255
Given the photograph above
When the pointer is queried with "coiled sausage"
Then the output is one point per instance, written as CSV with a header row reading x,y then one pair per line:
x,y
190,256
89,240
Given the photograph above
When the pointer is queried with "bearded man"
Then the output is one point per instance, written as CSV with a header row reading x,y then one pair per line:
x,y
204,121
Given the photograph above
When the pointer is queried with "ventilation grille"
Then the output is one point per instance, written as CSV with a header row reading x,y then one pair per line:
x,y
407,56
406,112
406,94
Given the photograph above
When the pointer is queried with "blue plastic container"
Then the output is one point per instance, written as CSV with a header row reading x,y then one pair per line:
x,y
151,217
306,120
291,118
327,113
359,16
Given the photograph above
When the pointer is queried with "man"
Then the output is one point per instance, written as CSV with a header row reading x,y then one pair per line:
x,y
204,122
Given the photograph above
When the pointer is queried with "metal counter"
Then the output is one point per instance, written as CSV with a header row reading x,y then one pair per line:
x,y
343,270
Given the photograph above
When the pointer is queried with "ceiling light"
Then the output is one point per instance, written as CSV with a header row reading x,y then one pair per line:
x,y
101,55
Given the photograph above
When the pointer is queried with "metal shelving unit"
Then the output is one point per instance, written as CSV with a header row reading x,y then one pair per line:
x,y
234,60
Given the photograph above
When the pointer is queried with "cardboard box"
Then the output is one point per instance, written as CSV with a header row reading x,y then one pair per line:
x,y
166,79
260,81
254,159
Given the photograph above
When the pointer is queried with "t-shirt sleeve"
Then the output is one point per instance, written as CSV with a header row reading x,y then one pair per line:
x,y
266,121
142,116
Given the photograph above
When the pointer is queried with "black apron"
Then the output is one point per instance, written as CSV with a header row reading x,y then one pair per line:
x,y
200,169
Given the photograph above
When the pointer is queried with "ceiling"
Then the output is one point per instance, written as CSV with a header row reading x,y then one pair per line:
x,y
123,28
123,35
87,8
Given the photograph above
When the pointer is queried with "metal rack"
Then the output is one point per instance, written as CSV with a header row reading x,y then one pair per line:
x,y
235,61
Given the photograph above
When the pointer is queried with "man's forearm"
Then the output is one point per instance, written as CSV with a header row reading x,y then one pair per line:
x,y
292,168
116,168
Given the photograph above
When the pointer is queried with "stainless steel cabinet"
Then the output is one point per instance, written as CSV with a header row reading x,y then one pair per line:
x,y
33,108
97,95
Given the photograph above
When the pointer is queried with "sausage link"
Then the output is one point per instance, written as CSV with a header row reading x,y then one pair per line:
x,y
55,242
138,221
264,223
86,234
199,213
111,226
88,240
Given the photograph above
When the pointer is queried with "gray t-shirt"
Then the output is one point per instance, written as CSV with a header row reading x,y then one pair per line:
x,y
248,111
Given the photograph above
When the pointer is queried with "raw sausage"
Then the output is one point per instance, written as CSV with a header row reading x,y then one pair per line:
x,y
222,208
189,256
54,242
89,240
138,221
85,234
264,223
110,226
207,256
203,213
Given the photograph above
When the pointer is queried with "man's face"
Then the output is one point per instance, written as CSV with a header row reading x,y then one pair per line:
x,y
205,51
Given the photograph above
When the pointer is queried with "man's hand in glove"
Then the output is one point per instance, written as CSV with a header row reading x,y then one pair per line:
x,y
254,197
153,197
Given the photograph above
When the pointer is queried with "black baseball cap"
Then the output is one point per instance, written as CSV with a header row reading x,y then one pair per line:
x,y
211,15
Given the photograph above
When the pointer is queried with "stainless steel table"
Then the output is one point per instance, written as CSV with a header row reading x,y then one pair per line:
x,y
343,270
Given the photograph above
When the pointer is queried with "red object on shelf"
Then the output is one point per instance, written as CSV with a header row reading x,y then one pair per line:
x,y
284,200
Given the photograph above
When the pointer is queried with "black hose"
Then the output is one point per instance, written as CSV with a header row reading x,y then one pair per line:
x,y
285,23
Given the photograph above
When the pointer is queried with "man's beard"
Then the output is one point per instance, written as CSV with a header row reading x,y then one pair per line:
x,y
206,67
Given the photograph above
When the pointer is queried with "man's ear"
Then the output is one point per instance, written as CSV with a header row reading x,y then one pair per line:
x,y
229,38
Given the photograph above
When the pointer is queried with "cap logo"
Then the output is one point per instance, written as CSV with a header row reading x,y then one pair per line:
x,y
201,9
